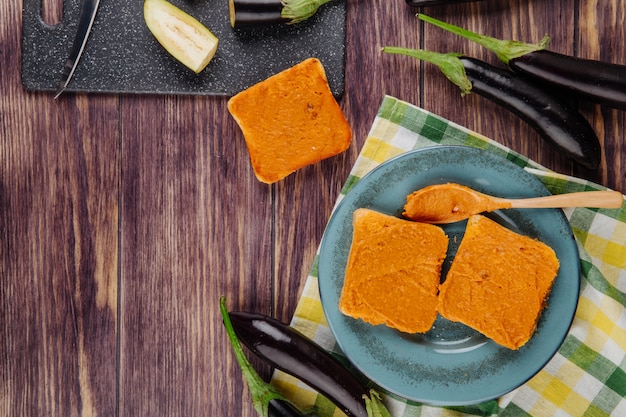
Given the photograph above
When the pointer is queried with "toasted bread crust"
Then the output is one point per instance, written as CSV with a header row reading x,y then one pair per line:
x,y
290,120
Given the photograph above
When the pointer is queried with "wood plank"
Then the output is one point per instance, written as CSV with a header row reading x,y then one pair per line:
x,y
371,73
196,224
123,219
58,257
602,35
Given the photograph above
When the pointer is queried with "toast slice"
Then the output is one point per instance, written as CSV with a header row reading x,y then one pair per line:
x,y
498,282
290,120
393,271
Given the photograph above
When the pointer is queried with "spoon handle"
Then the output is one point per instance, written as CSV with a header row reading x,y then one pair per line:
x,y
596,199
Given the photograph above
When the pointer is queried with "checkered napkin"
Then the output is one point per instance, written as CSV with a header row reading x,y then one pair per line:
x,y
587,377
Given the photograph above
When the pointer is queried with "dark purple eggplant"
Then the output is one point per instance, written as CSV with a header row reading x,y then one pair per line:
x,y
420,3
280,408
558,123
255,12
290,351
267,401
597,81
600,82
245,13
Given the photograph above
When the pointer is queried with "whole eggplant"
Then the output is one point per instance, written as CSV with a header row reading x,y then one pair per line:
x,y
597,81
245,13
254,12
290,351
600,82
558,122
266,399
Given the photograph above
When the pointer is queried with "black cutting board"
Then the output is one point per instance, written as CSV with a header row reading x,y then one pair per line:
x,y
122,56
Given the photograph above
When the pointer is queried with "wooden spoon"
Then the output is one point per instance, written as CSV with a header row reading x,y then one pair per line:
x,y
448,203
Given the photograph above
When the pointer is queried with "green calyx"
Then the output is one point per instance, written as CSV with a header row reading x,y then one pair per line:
x,y
375,406
262,392
449,64
298,10
505,50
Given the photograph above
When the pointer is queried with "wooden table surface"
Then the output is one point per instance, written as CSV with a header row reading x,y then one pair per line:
x,y
124,218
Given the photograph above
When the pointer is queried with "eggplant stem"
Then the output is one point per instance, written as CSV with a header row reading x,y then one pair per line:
x,y
295,11
375,406
449,64
262,392
505,50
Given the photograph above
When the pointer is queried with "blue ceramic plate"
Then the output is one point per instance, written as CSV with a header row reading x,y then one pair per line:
x,y
451,364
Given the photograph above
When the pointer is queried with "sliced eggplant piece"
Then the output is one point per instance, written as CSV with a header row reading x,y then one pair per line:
x,y
182,35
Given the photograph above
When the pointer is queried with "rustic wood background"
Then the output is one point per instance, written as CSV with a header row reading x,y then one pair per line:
x,y
124,218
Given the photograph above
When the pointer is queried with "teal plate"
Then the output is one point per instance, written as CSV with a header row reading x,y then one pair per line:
x,y
451,364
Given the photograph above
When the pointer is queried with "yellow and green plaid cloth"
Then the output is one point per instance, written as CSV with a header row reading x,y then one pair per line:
x,y
587,377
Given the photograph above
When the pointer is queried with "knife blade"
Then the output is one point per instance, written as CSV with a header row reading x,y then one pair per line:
x,y
88,12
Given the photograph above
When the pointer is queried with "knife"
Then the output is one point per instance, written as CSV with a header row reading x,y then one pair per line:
x,y
87,16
